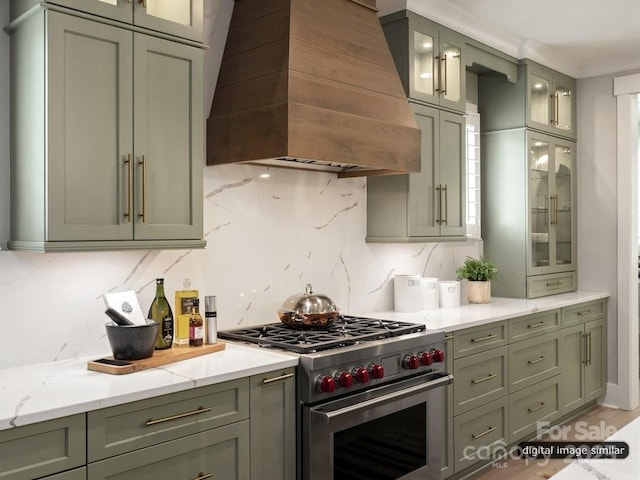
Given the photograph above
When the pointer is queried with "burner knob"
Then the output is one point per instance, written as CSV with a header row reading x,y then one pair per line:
x,y
411,362
326,384
426,358
376,370
344,379
438,355
361,375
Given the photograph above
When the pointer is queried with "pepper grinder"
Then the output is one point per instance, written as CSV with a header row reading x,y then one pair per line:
x,y
211,318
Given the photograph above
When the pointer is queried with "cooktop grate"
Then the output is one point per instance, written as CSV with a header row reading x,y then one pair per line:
x,y
344,331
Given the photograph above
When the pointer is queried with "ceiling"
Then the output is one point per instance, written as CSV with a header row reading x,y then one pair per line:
x,y
581,38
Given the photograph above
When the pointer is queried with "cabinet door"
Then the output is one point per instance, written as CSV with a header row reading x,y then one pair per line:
x,y
273,426
452,71
572,343
120,10
539,95
89,120
564,200
182,18
425,194
595,359
169,149
452,174
564,105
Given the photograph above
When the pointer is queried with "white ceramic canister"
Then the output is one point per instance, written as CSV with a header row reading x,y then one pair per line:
x,y
449,294
407,293
430,293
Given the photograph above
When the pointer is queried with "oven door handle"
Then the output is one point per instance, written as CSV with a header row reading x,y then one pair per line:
x,y
318,416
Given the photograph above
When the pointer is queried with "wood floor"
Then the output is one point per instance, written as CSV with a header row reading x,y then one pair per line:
x,y
593,421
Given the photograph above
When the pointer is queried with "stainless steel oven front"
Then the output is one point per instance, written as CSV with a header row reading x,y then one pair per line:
x,y
391,432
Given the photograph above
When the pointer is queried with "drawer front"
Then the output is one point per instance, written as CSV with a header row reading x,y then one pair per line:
x,y
534,325
221,453
479,339
537,403
123,428
583,312
480,432
542,285
533,360
43,448
480,379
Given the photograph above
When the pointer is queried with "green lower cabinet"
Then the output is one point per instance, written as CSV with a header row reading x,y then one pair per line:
x,y
538,403
273,426
221,453
533,360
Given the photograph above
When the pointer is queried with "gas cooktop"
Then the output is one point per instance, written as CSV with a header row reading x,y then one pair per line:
x,y
345,330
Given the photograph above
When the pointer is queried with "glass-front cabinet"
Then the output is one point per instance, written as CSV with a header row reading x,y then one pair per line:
x,y
551,101
551,168
182,18
429,59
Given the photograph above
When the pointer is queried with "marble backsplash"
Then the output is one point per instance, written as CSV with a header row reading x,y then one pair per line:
x,y
269,232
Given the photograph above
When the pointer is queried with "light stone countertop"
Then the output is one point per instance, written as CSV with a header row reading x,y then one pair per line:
x,y
471,315
39,392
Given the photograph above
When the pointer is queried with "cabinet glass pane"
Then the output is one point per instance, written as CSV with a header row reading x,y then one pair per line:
x,y
562,108
423,63
450,64
177,11
539,99
540,202
562,203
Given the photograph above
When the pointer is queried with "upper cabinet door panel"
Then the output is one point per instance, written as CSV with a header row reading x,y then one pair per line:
x,y
89,129
120,10
182,18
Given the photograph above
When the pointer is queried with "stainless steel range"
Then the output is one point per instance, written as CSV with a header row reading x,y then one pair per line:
x,y
369,397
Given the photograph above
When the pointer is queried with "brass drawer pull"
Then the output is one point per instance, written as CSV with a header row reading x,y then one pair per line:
x,y
554,284
538,360
484,339
590,348
202,476
284,376
488,377
586,312
448,337
143,164
129,165
536,325
535,409
476,436
200,410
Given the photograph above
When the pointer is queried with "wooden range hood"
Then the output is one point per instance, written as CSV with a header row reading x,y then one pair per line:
x,y
311,84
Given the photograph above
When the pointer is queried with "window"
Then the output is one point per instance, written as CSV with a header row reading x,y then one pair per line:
x,y
473,171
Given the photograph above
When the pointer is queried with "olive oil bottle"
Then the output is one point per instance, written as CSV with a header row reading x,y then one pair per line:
x,y
160,311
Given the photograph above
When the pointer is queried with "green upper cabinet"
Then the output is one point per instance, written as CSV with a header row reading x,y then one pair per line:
x,y
541,99
423,206
182,18
429,59
111,157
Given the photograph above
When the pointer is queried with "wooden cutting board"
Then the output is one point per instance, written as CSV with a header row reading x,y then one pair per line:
x,y
159,358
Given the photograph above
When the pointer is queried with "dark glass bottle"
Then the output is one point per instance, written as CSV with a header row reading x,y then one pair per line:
x,y
160,311
196,329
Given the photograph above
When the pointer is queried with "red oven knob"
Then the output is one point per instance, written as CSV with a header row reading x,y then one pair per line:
x,y
411,362
326,384
361,375
376,370
344,379
438,355
426,358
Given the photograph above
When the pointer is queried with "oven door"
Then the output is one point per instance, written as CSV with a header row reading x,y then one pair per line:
x,y
387,433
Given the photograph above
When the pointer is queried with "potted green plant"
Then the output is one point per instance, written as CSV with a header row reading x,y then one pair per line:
x,y
479,273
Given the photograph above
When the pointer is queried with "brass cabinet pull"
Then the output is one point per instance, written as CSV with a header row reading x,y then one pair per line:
x,y
585,312
488,377
448,337
535,409
484,339
590,348
443,90
143,164
554,209
537,360
439,216
198,411
284,376
202,476
436,64
586,349
554,118
476,436
446,205
129,165
536,325
554,284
